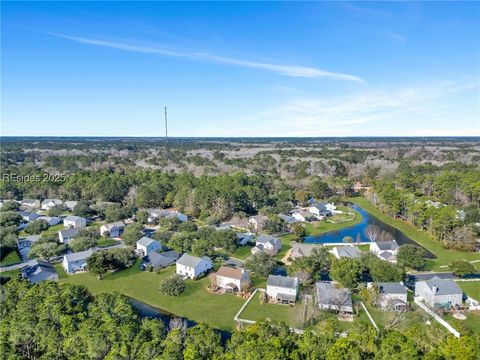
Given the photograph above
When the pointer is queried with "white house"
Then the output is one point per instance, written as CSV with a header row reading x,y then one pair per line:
x,y
391,296
385,250
166,213
303,215
267,244
74,262
113,229
64,236
47,204
30,203
258,222
322,209
192,267
71,204
74,222
282,289
331,298
146,246
438,292
231,279
348,251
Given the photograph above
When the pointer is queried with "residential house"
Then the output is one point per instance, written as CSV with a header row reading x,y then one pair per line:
x,y
258,222
282,289
231,279
28,216
348,251
331,298
303,215
245,238
287,219
24,244
159,260
267,244
385,250
36,271
51,220
113,229
30,203
71,204
74,222
146,245
74,262
300,250
166,213
192,267
322,209
438,292
64,236
391,296
47,204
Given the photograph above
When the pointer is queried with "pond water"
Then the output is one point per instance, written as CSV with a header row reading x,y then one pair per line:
x,y
357,231
146,310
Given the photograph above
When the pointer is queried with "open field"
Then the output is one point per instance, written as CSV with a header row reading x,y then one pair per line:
x,y
242,252
444,256
196,303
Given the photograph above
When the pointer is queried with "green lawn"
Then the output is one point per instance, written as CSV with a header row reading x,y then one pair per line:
x,y
257,311
471,288
196,303
469,326
54,229
242,252
444,256
11,257
11,273
286,245
104,242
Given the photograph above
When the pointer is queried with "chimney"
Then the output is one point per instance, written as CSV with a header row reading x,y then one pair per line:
x,y
434,289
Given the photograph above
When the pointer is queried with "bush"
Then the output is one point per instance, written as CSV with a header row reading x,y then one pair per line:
x,y
149,268
172,286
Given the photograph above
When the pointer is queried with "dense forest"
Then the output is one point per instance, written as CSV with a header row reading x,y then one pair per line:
x,y
52,321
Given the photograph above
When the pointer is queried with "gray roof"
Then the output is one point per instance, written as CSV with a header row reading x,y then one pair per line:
x,y
263,239
430,276
146,241
78,256
37,270
73,218
287,297
391,288
387,245
321,206
282,281
161,260
118,224
327,294
55,201
443,287
68,232
192,261
348,251
301,250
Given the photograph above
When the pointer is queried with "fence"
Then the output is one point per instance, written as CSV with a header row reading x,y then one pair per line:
x,y
436,317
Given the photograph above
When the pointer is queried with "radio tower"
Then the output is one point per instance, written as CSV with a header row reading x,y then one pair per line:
x,y
166,135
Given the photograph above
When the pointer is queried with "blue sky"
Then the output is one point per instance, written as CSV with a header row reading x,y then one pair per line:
x,y
241,69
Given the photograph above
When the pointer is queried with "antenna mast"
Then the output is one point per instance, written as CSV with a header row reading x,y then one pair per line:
x,y
166,135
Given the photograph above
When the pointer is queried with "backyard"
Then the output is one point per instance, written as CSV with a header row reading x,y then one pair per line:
x,y
196,303
11,257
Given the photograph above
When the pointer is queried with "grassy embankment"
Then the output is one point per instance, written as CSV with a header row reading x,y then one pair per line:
x,y
444,256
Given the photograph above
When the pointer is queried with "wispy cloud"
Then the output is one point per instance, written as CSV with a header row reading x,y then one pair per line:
x,y
395,36
282,69
385,110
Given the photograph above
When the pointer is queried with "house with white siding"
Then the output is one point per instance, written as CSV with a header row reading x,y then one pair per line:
x,y
113,229
231,279
146,246
330,297
191,267
282,289
47,204
385,250
74,262
65,235
391,296
74,222
438,292
270,245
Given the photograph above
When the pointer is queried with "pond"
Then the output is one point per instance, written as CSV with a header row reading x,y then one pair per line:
x,y
357,232
146,310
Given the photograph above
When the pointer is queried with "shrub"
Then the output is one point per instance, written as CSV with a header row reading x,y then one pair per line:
x,y
172,286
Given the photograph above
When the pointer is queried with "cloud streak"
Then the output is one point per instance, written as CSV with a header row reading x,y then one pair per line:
x,y
286,70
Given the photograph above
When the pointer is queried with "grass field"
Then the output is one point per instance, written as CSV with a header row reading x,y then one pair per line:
x,y
104,242
196,303
469,326
242,252
11,273
11,257
471,288
444,256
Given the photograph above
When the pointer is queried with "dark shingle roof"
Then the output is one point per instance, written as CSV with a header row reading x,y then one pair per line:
x,y
282,281
391,288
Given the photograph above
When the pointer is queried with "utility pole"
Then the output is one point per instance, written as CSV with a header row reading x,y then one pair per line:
x,y
166,135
